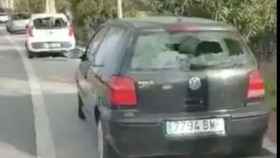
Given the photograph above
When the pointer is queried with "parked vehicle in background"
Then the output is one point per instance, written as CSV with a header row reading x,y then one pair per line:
x,y
49,34
4,17
172,86
18,22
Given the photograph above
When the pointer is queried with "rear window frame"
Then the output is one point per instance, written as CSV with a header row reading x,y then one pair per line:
x,y
49,28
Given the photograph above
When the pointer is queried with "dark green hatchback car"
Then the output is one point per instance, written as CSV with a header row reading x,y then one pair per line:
x,y
164,86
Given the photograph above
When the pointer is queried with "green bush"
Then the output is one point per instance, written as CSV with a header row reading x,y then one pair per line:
x,y
271,93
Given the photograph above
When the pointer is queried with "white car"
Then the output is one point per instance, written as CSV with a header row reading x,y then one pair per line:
x,y
4,17
49,33
17,23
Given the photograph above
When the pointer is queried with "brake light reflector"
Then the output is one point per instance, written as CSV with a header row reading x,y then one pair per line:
x,y
256,86
122,92
71,30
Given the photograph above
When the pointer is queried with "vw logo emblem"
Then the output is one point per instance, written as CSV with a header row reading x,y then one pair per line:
x,y
194,83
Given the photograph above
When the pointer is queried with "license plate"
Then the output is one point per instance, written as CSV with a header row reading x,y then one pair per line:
x,y
215,126
52,45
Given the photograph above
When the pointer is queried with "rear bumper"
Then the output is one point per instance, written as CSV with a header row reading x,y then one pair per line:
x,y
144,136
32,47
47,51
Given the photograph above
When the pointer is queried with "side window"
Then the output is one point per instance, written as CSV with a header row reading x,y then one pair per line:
x,y
208,47
233,47
109,51
95,42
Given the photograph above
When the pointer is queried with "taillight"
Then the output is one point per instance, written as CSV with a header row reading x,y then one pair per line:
x,y
29,31
256,86
71,30
122,92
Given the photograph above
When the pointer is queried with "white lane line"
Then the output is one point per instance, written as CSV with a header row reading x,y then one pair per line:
x,y
268,145
44,139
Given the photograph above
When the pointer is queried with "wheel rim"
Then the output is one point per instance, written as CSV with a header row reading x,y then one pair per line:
x,y
100,140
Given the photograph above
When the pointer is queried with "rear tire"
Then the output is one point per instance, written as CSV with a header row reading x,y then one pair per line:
x,y
81,114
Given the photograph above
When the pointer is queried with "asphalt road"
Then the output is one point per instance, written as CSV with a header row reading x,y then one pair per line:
x,y
16,114
38,104
70,137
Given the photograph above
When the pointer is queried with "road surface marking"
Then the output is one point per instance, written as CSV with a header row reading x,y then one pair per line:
x,y
268,145
44,141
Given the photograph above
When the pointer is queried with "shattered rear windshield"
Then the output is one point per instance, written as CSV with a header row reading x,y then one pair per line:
x,y
165,50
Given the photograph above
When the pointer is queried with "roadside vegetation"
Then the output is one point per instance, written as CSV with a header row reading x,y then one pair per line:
x,y
269,71
255,19
271,93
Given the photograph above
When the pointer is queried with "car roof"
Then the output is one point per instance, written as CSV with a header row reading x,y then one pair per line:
x,y
43,15
163,22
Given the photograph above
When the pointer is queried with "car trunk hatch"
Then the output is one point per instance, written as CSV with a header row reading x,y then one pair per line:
x,y
177,91
51,34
